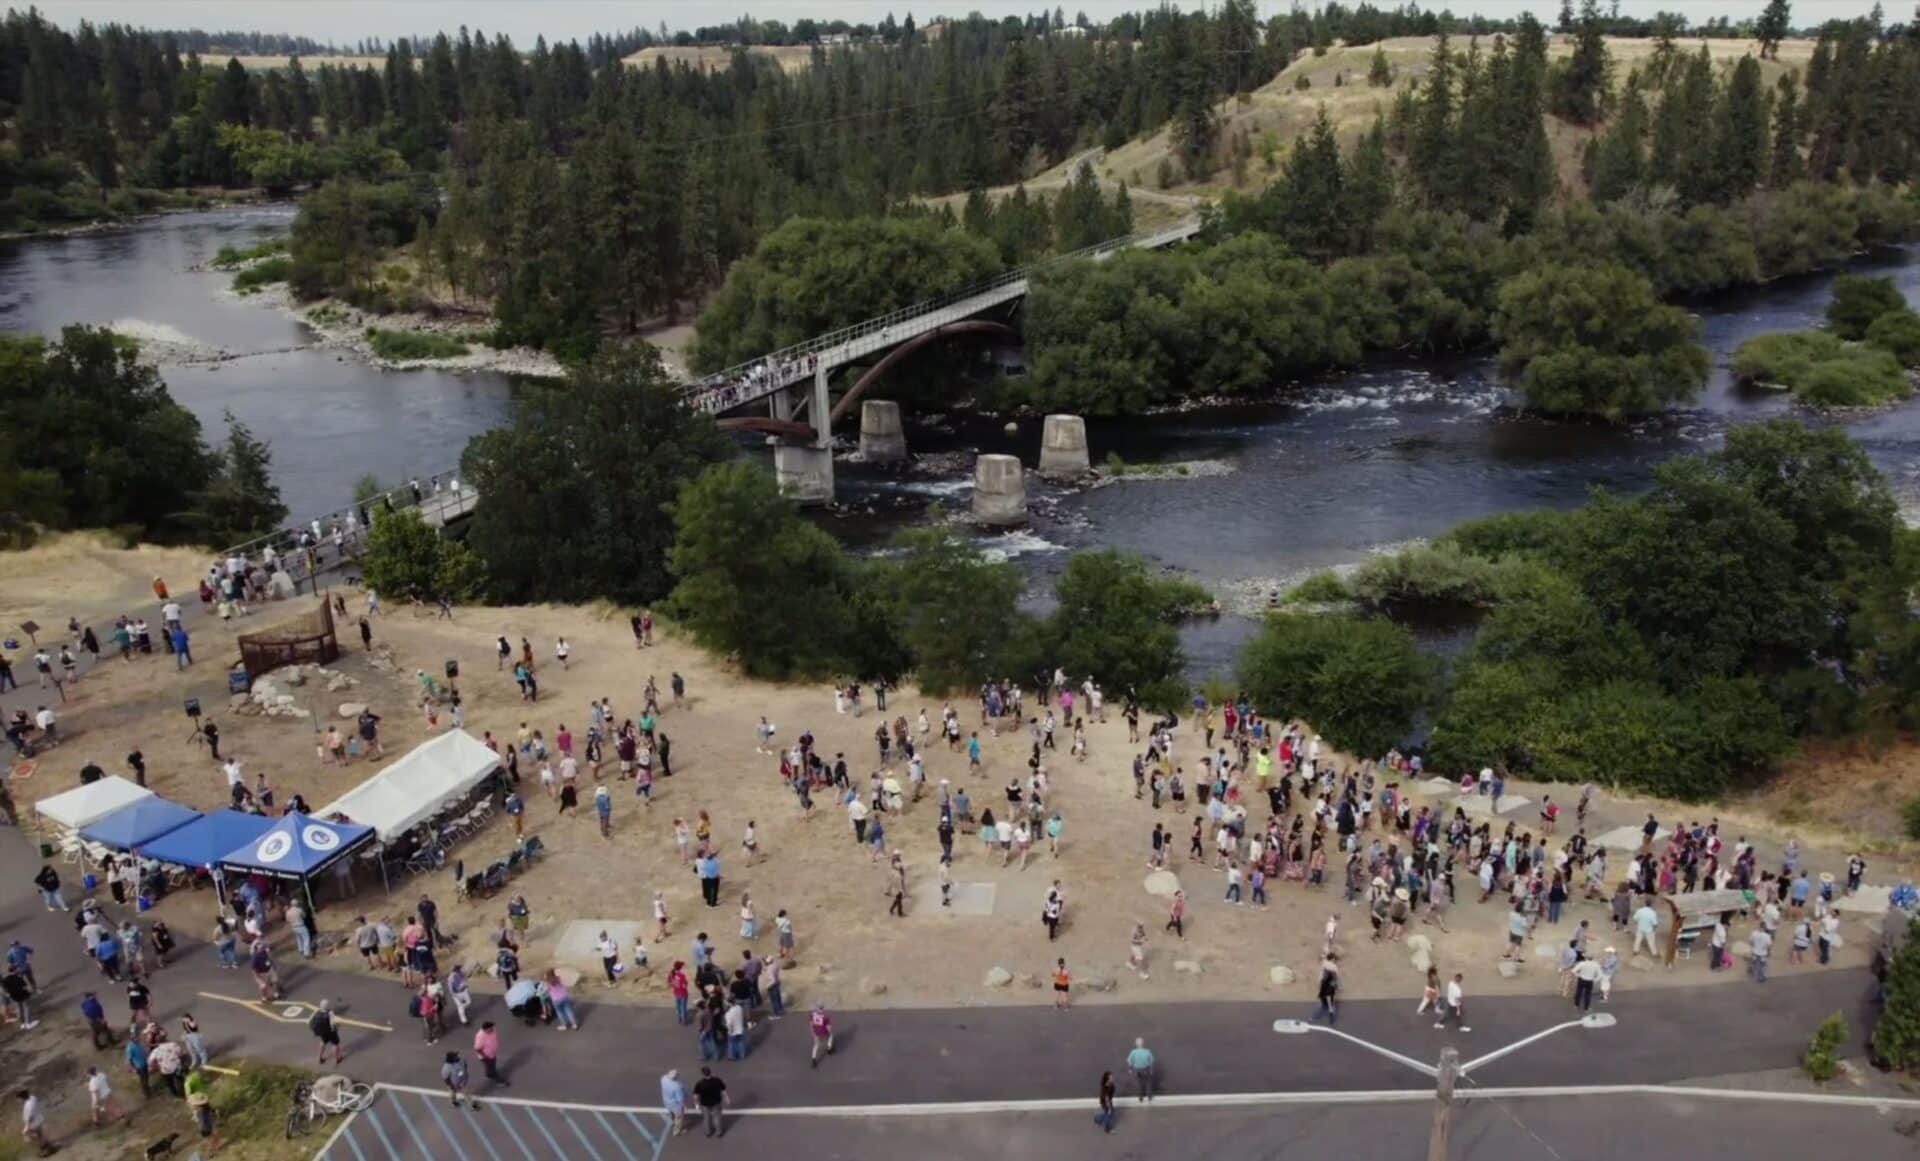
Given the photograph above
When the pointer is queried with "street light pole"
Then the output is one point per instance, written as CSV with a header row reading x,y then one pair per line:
x,y
1449,1071
1443,1104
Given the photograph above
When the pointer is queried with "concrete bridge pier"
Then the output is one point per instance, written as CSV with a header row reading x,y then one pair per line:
x,y
882,439
1063,448
805,471
999,491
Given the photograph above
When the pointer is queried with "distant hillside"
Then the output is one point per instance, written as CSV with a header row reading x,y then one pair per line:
x,y
792,57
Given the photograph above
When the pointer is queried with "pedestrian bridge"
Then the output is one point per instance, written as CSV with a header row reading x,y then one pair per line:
x,y
767,376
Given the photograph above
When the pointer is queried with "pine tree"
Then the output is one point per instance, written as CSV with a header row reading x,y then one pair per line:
x,y
1619,158
1740,133
1784,166
1564,24
1313,183
241,501
1580,85
1430,140
1774,24
1369,188
1380,73
1896,1035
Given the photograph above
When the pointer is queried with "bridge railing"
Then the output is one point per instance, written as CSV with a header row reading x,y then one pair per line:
x,y
755,378
445,503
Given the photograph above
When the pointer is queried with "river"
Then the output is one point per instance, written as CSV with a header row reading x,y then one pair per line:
x,y
1335,470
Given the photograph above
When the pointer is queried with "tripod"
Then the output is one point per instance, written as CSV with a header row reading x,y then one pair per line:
x,y
199,735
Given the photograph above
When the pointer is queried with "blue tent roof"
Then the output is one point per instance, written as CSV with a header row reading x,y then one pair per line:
x,y
138,823
297,846
205,842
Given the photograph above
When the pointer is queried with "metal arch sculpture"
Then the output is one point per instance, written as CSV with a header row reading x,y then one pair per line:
x,y
906,350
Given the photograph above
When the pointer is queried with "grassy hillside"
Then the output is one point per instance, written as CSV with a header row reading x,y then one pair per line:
x,y
269,63
1287,111
792,57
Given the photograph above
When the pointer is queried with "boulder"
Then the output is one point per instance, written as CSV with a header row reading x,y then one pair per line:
x,y
283,699
1417,942
1189,967
1422,959
998,977
336,684
872,987
1280,975
1027,980
352,709
295,676
1162,883
1098,983
1509,968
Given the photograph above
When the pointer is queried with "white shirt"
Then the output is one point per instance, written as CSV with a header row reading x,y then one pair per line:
x,y
30,1115
170,611
736,1020
44,718
1454,993
97,1089
233,772
608,948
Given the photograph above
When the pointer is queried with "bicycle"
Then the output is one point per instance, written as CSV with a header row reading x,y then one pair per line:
x,y
314,1103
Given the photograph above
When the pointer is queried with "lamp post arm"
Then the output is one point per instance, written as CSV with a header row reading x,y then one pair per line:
x,y
1427,1070
1467,1068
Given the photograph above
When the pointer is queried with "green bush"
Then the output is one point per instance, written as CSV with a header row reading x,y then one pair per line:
x,y
1897,332
232,256
1427,577
407,558
406,346
1896,1034
1858,301
1359,681
1822,369
262,273
1520,533
1322,588
1822,1058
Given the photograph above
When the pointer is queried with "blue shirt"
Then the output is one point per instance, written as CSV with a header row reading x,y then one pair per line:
x,y
109,947
1140,1059
19,955
673,1095
709,867
91,1009
1800,890
136,1054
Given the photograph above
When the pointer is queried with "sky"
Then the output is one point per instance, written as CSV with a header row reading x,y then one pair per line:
x,y
349,20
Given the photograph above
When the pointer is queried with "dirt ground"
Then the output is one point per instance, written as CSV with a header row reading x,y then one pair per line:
x,y
87,575
1854,787
849,950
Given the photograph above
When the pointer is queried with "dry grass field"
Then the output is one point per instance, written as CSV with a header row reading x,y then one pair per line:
x,y
792,57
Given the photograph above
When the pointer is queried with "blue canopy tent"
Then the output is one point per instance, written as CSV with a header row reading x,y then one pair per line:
x,y
201,844
298,847
138,823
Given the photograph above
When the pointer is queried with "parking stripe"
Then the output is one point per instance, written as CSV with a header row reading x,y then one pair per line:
x,y
540,1123
446,1130
583,1137
615,1137
511,1131
480,1131
374,1120
353,1144
406,1118
641,1128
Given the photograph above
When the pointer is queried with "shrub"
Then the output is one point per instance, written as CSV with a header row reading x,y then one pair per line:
x,y
1858,301
1823,370
262,273
1783,358
1322,588
1897,332
1822,1058
1358,680
232,256
407,346
1518,533
1429,576
1896,1034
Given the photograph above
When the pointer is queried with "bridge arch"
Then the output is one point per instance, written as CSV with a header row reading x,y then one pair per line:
x,y
906,350
783,428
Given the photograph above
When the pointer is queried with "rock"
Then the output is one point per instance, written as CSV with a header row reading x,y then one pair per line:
x,y
998,977
1098,983
295,676
1027,980
1422,960
1162,883
352,709
1189,967
1280,975
872,987
1417,942
283,699
339,683
1509,969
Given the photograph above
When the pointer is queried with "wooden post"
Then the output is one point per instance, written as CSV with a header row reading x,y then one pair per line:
x,y
1443,1104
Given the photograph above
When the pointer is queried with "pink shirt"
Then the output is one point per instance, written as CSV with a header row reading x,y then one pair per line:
x,y
486,1044
564,740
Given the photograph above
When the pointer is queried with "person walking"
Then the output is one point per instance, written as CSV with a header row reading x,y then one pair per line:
x,y
486,1045
48,881
821,1025
1586,973
1455,1004
1062,985
327,1032
673,1101
1760,944
33,1123
1104,1118
1329,989
710,1092
96,1017
453,1074
1140,1064
196,1044
1645,921
1177,914
100,1097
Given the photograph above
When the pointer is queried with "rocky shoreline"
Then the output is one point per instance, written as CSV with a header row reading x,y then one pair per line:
x,y
341,327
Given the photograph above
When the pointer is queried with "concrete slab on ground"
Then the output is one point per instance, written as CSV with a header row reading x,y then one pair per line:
x,y
578,945
1479,804
972,900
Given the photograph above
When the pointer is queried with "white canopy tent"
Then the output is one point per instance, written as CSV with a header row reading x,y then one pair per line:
x,y
414,788
84,805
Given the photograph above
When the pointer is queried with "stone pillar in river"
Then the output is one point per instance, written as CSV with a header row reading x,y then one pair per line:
x,y
882,440
999,491
804,473
1063,448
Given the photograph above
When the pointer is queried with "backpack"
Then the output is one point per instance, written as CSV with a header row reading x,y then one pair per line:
x,y
317,1024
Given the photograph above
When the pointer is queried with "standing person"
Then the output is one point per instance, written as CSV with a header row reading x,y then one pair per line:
x,y
1586,973
33,1123
1062,985
196,1045
1829,935
18,995
673,1101
202,1106
99,1097
1329,989
1106,1114
734,1019
96,1017
1140,1064
327,1032
820,1024
453,1074
1645,921
486,1045
1760,944
711,1094
1455,1004
459,992
1177,914
48,881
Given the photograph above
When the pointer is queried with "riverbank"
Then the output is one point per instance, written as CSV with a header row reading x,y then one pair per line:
x,y
342,327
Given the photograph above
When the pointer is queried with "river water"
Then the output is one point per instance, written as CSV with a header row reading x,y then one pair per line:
x,y
1332,471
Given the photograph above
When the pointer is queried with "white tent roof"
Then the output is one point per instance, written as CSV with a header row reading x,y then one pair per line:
x,y
413,788
87,804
